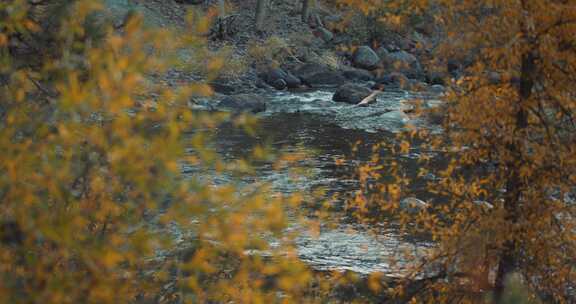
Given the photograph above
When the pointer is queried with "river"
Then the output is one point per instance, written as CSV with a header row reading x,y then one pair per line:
x,y
310,124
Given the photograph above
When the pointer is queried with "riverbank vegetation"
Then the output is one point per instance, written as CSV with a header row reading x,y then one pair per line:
x,y
504,196
93,202
105,104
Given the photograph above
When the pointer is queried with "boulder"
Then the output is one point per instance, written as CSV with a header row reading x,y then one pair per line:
x,y
243,103
358,74
394,79
317,75
306,69
324,79
280,79
292,82
366,58
222,87
404,62
382,52
279,84
261,84
351,93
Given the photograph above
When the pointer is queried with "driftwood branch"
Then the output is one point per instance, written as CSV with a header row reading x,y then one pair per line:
x,y
369,99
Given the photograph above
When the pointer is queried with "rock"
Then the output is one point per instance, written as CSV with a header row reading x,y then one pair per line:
x,y
307,69
413,205
317,75
243,103
438,88
436,78
404,62
280,79
223,88
325,34
351,93
366,58
494,78
394,79
279,84
324,79
292,82
382,52
358,74
261,84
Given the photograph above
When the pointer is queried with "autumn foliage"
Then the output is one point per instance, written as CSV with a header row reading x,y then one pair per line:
x,y
503,170
91,148
94,207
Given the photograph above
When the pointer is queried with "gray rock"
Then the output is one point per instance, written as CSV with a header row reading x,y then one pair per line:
x,y
317,75
382,52
494,78
438,88
324,79
366,58
243,103
307,69
358,74
279,84
394,79
280,79
223,88
261,84
351,93
292,82
404,62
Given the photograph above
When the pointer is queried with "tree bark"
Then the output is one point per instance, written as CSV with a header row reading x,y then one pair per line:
x,y
222,30
514,185
305,10
260,14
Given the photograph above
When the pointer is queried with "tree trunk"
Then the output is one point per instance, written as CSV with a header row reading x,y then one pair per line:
x,y
222,30
305,10
514,185
260,14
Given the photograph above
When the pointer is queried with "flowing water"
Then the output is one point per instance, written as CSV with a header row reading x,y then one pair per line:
x,y
310,124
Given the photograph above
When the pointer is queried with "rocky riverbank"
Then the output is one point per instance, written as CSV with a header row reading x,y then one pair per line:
x,y
294,55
